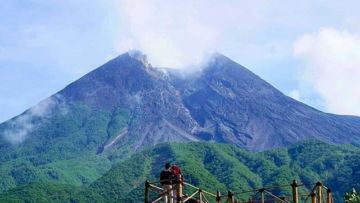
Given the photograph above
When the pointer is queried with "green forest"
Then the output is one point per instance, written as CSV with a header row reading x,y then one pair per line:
x,y
209,166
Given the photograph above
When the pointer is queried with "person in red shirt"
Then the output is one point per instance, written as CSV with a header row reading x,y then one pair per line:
x,y
176,171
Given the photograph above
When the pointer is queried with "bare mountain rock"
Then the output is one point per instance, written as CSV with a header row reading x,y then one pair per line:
x,y
233,105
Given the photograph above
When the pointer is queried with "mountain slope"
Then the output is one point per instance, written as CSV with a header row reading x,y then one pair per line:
x,y
222,167
235,106
127,104
94,121
215,167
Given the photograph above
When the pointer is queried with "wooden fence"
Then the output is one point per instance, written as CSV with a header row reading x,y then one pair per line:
x,y
154,192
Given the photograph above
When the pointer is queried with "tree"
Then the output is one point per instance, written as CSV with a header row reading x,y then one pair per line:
x,y
352,197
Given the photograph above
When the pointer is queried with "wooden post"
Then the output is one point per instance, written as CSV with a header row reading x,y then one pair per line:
x,y
295,191
179,189
329,196
218,197
200,196
319,192
313,197
262,195
230,197
147,184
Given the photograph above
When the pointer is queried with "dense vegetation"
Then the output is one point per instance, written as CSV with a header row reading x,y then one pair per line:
x,y
63,147
352,197
212,167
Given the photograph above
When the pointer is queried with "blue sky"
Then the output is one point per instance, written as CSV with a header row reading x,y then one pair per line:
x,y
310,50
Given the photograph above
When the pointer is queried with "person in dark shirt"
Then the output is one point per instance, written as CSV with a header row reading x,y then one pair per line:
x,y
166,177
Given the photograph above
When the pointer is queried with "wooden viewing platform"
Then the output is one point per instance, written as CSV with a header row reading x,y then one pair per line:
x,y
318,194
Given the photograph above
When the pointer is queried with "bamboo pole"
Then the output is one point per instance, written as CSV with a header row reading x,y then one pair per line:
x,y
329,196
274,196
262,195
147,184
313,197
218,197
204,197
179,189
155,187
230,197
319,192
295,191
191,196
200,196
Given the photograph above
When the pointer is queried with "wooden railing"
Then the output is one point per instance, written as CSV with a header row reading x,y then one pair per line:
x,y
154,193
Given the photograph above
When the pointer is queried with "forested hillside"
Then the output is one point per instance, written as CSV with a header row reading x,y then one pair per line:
x,y
65,148
212,167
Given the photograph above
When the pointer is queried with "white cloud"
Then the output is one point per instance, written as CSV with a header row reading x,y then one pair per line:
x,y
21,126
182,33
332,65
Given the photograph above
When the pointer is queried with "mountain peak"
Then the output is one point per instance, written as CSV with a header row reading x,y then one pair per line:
x,y
220,63
138,55
130,56
219,57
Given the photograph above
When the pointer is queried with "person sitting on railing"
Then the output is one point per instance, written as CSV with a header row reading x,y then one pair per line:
x,y
166,177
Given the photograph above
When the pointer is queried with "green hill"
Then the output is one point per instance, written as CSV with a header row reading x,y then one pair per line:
x,y
212,167
63,148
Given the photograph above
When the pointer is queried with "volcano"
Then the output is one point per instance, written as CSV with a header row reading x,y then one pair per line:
x,y
127,104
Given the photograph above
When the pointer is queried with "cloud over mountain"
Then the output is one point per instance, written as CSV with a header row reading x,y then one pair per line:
x,y
331,60
23,125
179,33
